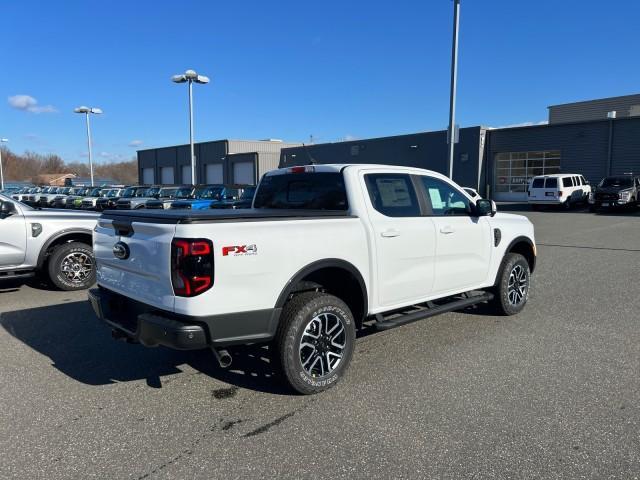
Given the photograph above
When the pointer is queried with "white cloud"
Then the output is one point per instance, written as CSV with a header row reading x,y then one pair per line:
x,y
113,157
349,138
136,143
29,104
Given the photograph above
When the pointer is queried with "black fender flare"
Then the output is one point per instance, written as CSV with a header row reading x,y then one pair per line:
x,y
57,236
528,241
318,265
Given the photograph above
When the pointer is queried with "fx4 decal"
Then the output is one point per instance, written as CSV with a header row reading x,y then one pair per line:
x,y
237,250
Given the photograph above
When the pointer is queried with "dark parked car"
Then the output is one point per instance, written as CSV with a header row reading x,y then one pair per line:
x,y
167,195
243,199
616,192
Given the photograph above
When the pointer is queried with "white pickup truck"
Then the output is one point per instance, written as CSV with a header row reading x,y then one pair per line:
x,y
324,250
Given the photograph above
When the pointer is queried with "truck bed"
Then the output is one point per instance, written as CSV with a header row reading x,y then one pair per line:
x,y
180,216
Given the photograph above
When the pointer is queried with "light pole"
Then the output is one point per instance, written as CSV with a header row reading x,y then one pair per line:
x,y
2,140
191,76
454,82
87,111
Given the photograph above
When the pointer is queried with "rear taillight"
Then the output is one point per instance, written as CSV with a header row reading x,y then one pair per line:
x,y
191,266
560,193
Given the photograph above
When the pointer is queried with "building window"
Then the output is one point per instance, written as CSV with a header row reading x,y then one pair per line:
x,y
514,170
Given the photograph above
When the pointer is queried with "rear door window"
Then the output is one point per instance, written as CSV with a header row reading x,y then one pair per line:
x,y
551,183
392,194
538,183
566,182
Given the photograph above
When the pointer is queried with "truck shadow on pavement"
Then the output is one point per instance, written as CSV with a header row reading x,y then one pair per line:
x,y
81,347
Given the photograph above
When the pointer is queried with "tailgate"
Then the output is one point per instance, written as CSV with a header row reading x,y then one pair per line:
x,y
143,271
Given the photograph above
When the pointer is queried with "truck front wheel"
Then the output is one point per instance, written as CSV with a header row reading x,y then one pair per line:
x,y
315,341
72,266
512,285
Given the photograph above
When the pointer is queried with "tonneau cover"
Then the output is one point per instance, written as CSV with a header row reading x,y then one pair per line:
x,y
225,215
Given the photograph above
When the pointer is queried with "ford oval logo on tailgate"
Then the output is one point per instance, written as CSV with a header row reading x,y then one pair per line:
x,y
121,250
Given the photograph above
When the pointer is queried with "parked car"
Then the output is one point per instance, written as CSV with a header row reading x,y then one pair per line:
x,y
110,200
324,248
89,203
94,192
615,192
565,189
48,197
244,200
167,195
56,244
139,200
23,195
67,202
211,195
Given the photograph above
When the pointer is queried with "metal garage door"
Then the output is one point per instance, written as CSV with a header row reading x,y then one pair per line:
x,y
214,173
186,174
148,178
244,172
166,175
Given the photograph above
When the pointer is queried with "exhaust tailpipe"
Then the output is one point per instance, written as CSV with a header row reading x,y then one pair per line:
x,y
223,357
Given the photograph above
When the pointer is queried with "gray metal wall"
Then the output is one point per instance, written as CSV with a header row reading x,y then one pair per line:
x,y
425,150
266,154
595,109
584,147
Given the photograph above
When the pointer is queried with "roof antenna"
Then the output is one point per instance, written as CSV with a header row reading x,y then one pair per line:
x,y
312,161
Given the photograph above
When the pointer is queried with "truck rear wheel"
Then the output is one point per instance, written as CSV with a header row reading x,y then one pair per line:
x,y
315,341
512,286
72,266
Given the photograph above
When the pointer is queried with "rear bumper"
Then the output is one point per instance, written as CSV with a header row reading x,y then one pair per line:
x,y
151,327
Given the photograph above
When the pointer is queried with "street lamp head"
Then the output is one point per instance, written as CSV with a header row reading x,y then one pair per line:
x,y
96,110
82,109
179,79
202,79
191,74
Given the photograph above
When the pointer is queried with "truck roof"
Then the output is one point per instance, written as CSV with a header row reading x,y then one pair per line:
x,y
338,167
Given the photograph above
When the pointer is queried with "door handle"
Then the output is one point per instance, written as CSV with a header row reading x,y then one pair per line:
x,y
447,230
392,232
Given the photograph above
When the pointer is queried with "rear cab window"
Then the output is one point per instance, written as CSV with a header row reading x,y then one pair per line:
x,y
307,190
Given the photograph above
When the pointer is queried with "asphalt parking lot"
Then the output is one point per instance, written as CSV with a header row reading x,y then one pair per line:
x,y
550,393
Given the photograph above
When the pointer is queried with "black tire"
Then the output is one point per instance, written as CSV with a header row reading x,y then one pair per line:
x,y
567,204
504,295
72,266
301,318
592,208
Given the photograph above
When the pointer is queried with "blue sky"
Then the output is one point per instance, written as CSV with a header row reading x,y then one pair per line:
x,y
331,69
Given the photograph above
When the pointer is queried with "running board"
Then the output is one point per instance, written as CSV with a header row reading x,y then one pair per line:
x,y
405,318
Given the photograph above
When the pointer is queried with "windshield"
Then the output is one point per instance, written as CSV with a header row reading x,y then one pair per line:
x,y
150,192
184,192
248,193
95,192
616,182
208,193
309,190
112,193
168,192
131,191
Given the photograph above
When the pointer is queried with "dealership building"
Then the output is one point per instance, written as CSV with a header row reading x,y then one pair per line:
x,y
219,161
595,138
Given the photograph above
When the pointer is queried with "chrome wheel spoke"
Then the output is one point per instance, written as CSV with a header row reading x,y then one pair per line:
x,y
322,344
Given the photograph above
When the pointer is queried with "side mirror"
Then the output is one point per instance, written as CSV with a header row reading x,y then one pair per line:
x,y
7,209
485,208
